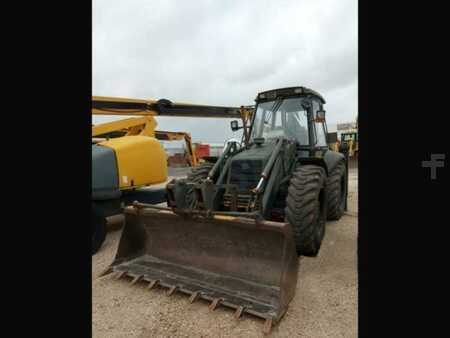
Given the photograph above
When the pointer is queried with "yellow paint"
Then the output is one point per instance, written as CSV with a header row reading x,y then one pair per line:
x,y
144,126
121,99
144,112
225,218
351,137
141,160
134,112
177,136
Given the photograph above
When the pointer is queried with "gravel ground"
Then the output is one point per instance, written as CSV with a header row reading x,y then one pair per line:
x,y
325,304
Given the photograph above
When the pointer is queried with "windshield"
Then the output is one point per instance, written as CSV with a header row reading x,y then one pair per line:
x,y
286,118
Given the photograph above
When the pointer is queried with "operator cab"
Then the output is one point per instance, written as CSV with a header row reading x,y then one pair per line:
x,y
295,113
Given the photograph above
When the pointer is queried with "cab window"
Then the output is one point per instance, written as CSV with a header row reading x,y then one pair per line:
x,y
319,126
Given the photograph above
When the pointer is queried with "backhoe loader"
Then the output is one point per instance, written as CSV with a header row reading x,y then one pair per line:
x,y
128,160
233,230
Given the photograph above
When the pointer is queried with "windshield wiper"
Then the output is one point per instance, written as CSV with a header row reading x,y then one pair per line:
x,y
274,109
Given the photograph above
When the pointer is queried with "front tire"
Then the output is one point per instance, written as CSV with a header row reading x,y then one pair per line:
x,y
306,208
336,190
197,175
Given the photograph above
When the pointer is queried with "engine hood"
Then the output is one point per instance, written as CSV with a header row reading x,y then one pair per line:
x,y
261,152
247,166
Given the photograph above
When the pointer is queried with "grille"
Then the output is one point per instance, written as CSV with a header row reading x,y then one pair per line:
x,y
246,173
242,202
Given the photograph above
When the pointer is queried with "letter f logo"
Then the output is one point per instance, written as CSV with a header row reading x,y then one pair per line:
x,y
434,163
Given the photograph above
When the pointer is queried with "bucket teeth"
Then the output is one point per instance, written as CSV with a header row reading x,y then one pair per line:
x,y
267,326
152,284
172,290
194,296
106,272
136,279
121,274
215,303
239,312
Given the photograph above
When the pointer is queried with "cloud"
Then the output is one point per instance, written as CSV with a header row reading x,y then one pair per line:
x,y
224,53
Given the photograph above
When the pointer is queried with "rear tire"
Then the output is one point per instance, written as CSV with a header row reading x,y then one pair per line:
x,y
196,175
306,208
98,230
336,190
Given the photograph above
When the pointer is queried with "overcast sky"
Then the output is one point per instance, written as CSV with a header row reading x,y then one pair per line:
x,y
224,52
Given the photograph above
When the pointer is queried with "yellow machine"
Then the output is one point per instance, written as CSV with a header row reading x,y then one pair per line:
x,y
333,142
178,136
350,139
132,140
127,156
132,150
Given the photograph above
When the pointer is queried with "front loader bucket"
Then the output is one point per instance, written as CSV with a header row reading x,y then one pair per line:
x,y
239,263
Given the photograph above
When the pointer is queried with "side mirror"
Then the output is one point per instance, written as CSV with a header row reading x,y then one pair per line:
x,y
320,116
234,125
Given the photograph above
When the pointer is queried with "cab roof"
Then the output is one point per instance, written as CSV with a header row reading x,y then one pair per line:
x,y
287,92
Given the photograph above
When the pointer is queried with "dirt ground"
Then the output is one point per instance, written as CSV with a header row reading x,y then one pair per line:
x,y
325,303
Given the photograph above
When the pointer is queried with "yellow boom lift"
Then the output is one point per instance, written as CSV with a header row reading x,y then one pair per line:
x,y
143,126
128,160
